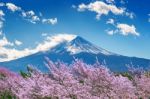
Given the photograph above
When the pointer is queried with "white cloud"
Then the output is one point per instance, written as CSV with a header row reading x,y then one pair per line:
x,y
35,18
13,7
110,1
82,7
44,34
52,21
110,32
24,14
101,8
30,16
110,21
131,15
126,29
1,13
18,42
27,15
4,42
7,54
52,41
121,28
30,13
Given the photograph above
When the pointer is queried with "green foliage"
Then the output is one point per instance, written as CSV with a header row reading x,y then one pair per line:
x,y
47,97
73,97
7,95
2,76
147,74
81,81
25,75
125,74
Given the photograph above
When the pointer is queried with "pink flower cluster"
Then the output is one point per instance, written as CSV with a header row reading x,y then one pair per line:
x,y
76,81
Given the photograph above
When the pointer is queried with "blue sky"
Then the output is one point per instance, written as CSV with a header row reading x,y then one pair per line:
x,y
120,26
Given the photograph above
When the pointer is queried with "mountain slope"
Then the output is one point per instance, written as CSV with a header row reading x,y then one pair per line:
x,y
76,48
79,45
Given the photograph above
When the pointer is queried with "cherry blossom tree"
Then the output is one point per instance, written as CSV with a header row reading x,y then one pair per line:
x,y
75,81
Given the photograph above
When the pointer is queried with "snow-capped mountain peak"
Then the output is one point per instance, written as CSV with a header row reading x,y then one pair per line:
x,y
78,45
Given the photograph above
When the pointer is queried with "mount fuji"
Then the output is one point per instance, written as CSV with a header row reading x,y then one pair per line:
x,y
80,48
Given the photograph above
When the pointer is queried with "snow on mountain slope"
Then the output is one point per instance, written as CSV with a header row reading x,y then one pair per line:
x,y
78,45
